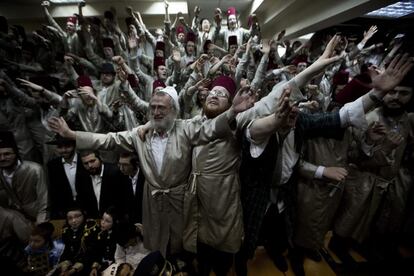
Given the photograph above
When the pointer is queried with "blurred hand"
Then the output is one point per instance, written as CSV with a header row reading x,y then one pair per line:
x,y
335,173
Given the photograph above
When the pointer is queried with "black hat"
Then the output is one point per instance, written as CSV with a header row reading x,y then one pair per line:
x,y
7,140
153,264
109,15
108,68
60,141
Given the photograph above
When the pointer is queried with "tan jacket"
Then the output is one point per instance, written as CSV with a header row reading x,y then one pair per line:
x,y
163,196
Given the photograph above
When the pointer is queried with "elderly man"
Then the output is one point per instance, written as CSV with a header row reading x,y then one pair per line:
x,y
23,192
168,145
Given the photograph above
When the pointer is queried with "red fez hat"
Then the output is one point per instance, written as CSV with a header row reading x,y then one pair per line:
x,y
72,19
191,37
231,11
107,42
133,80
158,83
225,82
232,40
299,59
84,80
206,45
352,91
179,30
340,78
158,61
160,46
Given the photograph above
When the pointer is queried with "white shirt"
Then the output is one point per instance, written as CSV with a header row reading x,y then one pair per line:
x,y
158,146
9,177
97,184
350,114
70,171
134,181
131,254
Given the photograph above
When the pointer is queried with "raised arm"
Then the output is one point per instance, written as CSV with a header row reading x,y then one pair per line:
x,y
320,64
94,141
50,19
281,120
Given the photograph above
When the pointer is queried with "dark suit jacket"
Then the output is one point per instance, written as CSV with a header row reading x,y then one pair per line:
x,y
60,193
133,201
111,192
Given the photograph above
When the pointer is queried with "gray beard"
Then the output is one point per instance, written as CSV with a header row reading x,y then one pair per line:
x,y
163,126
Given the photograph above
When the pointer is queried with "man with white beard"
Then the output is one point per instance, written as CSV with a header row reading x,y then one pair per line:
x,y
165,160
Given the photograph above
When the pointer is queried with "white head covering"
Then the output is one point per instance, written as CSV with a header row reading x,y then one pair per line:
x,y
170,90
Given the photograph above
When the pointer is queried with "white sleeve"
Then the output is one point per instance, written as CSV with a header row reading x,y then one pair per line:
x,y
256,149
319,172
352,114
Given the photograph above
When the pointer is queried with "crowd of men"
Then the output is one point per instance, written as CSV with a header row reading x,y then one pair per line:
x,y
208,138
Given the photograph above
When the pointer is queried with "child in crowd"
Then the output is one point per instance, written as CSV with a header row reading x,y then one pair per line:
x,y
105,243
130,248
78,235
43,253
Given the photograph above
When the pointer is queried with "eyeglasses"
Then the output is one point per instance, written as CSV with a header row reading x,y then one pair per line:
x,y
217,93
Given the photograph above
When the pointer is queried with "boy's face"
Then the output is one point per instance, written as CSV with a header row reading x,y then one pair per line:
x,y
106,222
36,241
75,219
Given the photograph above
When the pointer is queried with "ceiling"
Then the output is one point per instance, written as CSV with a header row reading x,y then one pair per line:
x,y
297,17
207,7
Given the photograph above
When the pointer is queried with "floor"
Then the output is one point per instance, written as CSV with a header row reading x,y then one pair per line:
x,y
330,265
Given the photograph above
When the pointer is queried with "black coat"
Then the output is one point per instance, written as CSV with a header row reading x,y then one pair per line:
x,y
112,191
60,193
133,202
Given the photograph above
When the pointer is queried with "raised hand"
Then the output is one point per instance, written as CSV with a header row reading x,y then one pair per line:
x,y
291,69
143,130
129,11
118,60
45,4
59,125
115,105
368,34
393,74
71,94
243,100
121,74
266,46
69,60
280,36
328,56
87,91
283,108
217,16
176,55
203,83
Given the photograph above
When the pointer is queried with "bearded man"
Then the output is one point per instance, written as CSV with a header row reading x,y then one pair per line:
x,y
165,161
